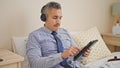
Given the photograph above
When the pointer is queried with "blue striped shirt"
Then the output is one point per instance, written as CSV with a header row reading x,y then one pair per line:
x,y
42,48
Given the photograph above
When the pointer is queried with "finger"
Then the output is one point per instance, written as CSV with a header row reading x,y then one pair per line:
x,y
86,54
76,49
71,53
74,52
88,50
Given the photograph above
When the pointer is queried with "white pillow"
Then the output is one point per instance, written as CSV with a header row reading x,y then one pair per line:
x,y
99,50
19,47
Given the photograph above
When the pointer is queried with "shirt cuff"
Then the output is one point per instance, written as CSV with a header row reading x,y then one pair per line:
x,y
81,58
57,57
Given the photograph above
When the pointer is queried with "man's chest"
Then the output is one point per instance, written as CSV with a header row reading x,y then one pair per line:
x,y
48,44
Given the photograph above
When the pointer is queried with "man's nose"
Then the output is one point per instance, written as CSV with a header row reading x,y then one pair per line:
x,y
58,21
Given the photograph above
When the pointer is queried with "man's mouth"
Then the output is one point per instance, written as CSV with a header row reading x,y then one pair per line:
x,y
57,25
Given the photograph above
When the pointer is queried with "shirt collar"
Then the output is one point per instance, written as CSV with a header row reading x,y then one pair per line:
x,y
48,30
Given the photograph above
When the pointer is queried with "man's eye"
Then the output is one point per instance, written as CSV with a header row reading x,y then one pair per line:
x,y
54,17
60,18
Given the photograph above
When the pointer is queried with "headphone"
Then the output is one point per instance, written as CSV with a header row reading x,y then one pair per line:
x,y
43,15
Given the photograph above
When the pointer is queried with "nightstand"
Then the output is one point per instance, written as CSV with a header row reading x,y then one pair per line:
x,y
110,39
10,59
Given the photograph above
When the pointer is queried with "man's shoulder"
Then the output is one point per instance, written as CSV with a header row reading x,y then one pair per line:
x,y
37,31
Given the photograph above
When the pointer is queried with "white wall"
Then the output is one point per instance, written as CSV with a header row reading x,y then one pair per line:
x,y
20,17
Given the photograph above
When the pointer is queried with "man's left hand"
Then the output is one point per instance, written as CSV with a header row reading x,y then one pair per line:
x,y
86,54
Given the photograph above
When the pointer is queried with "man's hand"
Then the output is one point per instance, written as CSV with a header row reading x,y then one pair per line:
x,y
71,51
86,54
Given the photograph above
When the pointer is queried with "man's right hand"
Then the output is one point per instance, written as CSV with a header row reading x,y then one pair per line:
x,y
71,51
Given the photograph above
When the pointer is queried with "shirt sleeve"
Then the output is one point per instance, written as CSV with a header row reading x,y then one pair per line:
x,y
36,60
70,59
68,34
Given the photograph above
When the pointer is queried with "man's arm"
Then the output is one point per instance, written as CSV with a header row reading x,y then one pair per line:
x,y
74,44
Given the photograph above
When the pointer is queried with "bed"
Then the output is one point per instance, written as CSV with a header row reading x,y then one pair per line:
x,y
98,58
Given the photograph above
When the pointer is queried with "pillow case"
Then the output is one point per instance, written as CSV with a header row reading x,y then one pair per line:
x,y
19,47
99,49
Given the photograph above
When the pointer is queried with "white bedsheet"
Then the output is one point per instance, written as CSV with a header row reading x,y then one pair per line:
x,y
104,64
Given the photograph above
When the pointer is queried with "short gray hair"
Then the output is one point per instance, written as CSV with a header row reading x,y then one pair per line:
x,y
49,6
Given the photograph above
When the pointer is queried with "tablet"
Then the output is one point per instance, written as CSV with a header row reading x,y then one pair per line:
x,y
91,43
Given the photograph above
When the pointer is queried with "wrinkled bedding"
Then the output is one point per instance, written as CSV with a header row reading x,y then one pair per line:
x,y
104,64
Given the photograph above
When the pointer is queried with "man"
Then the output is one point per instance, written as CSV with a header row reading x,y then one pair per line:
x,y
44,50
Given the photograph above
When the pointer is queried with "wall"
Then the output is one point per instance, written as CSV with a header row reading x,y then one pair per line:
x,y
20,17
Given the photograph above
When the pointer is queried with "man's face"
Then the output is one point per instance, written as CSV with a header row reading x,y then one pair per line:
x,y
53,19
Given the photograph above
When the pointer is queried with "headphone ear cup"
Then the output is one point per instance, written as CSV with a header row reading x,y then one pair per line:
x,y
43,17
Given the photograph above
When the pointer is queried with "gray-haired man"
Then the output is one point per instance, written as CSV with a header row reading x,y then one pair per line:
x,y
51,46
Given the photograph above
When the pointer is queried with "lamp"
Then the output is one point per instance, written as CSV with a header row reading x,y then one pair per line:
x,y
116,14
